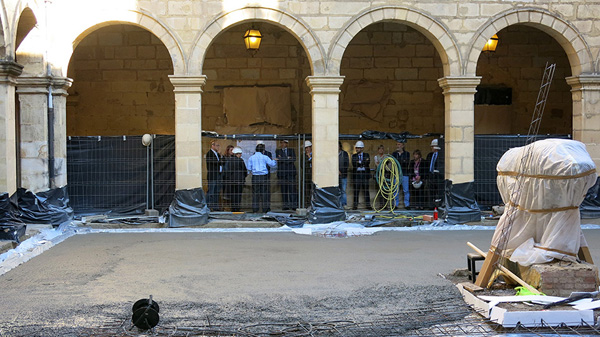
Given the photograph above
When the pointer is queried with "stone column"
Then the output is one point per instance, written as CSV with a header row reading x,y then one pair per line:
x,y
59,102
459,97
325,91
8,154
586,112
188,130
33,103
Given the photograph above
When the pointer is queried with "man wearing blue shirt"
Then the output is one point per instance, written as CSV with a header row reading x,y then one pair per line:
x,y
258,165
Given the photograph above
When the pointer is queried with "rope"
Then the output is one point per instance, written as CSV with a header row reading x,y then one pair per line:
x,y
388,176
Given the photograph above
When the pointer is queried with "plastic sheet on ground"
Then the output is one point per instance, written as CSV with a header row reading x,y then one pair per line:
x,y
8,209
48,207
553,181
188,208
325,206
459,203
590,207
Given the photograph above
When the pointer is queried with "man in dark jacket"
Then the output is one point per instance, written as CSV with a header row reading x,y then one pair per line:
x,y
214,168
344,163
362,171
286,174
235,171
434,175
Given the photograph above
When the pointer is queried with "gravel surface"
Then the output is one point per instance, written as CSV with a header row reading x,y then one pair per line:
x,y
86,285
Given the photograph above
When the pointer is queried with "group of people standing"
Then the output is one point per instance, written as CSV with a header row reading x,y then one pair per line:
x,y
421,178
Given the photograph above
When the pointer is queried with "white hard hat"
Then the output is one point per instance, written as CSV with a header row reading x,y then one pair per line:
x,y
307,143
359,144
236,150
434,144
417,184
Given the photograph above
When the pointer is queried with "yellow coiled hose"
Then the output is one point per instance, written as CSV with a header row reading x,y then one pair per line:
x,y
388,175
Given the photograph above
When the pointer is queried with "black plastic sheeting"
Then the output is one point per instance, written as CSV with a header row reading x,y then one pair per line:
x,y
12,232
325,206
108,175
8,209
590,207
48,207
459,203
399,137
188,208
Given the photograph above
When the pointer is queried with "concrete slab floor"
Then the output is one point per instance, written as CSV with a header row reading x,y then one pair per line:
x,y
90,281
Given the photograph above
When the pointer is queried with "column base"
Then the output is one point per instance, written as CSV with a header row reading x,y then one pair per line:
x,y
325,206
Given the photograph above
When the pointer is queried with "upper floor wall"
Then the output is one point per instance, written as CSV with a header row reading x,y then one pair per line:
x,y
457,29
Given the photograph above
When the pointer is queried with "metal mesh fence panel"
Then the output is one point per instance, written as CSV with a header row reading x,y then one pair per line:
x,y
488,151
110,174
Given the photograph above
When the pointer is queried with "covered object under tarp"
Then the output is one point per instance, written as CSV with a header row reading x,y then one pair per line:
x,y
542,185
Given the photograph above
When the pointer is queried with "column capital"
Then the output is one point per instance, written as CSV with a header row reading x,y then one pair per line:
x,y
459,84
60,85
33,84
187,84
587,81
9,71
325,84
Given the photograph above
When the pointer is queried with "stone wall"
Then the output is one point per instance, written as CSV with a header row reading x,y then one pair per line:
x,y
120,84
518,63
281,61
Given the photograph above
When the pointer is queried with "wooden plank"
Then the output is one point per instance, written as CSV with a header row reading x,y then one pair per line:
x,y
501,267
585,255
471,287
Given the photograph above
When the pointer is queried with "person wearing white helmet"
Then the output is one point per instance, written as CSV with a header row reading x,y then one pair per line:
x,y
235,173
361,172
307,170
434,178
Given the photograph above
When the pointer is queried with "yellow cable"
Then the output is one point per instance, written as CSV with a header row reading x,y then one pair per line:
x,y
388,187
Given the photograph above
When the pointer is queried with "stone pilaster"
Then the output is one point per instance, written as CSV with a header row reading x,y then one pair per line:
x,y
59,101
585,91
33,111
188,130
325,91
8,155
459,96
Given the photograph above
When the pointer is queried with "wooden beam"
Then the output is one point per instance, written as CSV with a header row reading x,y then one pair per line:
x,y
585,255
503,269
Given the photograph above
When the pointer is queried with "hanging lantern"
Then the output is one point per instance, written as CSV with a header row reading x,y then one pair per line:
x,y
491,44
252,39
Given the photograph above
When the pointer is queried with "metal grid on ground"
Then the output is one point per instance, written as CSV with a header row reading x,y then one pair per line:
x,y
441,319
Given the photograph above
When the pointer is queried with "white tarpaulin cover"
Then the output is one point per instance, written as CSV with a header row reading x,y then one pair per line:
x,y
544,217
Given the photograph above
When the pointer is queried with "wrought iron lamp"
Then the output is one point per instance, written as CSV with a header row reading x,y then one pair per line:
x,y
252,38
491,44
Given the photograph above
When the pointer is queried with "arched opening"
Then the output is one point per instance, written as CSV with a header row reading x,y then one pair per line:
x,y
506,98
26,23
510,82
121,91
265,94
120,84
391,84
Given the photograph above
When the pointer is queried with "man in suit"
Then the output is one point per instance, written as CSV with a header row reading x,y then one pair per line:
x,y
362,171
214,168
434,175
344,163
286,174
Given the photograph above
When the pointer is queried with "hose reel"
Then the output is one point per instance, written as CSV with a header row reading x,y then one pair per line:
x,y
145,313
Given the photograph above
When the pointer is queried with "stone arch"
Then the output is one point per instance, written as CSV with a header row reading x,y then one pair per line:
x,y
143,20
574,45
11,34
299,29
439,35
